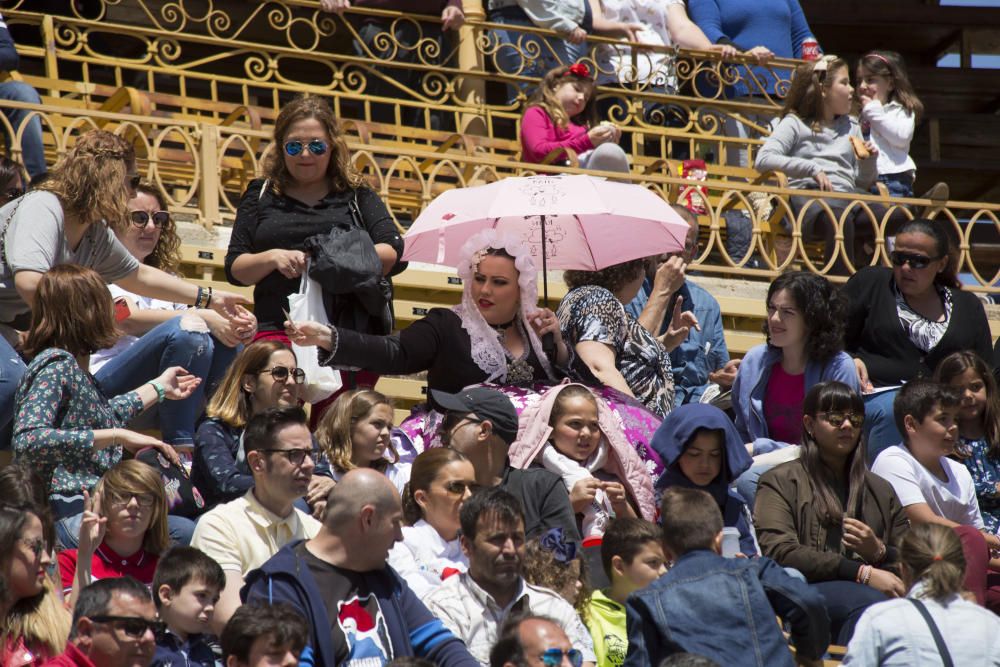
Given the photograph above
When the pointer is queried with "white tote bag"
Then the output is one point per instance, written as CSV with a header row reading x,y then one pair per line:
x,y
307,305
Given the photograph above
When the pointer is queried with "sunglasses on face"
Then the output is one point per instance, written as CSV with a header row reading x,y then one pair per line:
x,y
141,218
134,181
837,418
457,487
132,626
280,374
37,545
316,147
553,657
144,500
915,261
295,456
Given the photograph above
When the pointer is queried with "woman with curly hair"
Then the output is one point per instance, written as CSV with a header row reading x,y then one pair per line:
x,y
805,345
612,348
70,219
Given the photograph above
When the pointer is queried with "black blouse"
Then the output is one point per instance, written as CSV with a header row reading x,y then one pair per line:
x,y
280,221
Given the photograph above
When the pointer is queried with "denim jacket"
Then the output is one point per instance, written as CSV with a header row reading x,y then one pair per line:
x,y
723,609
750,390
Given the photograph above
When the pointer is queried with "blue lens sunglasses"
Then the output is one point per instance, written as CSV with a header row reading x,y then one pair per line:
x,y
316,147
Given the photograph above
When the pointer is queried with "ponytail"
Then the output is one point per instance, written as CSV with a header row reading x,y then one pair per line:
x,y
411,510
933,554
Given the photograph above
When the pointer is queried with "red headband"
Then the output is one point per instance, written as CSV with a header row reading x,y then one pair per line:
x,y
578,69
880,57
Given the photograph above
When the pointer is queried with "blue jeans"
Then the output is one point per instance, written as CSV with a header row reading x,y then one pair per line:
x,y
11,371
899,185
880,423
845,601
32,148
543,53
169,344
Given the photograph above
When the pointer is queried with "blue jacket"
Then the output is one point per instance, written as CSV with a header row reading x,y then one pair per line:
x,y
197,651
750,388
413,630
671,439
702,351
723,609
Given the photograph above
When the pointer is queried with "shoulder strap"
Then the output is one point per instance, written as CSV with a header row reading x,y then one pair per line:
x,y
935,633
263,188
355,209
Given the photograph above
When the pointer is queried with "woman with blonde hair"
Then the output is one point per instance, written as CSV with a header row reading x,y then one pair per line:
x,y
263,376
934,623
70,219
354,433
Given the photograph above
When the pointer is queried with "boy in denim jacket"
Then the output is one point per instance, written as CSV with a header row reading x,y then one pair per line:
x,y
720,608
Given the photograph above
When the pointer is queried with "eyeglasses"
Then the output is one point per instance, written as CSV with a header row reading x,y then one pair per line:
x,y
280,374
37,545
837,418
316,147
145,500
133,626
457,487
899,258
295,456
553,657
141,218
134,180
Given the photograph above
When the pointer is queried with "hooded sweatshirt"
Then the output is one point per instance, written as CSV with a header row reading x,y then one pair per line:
x,y
534,433
674,436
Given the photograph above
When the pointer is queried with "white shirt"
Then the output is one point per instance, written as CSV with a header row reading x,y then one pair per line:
x,y
894,634
398,474
423,555
125,341
474,616
892,131
615,60
954,500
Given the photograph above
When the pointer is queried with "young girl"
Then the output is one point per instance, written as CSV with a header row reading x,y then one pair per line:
x,y
889,111
812,146
354,433
573,433
978,428
561,114
553,562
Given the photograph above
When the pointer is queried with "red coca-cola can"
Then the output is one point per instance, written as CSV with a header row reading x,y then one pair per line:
x,y
810,49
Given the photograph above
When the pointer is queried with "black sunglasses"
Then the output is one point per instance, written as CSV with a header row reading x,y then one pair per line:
x,y
316,147
141,218
295,456
899,258
133,626
280,374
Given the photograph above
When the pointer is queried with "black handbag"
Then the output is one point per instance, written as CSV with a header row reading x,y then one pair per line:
x,y
183,497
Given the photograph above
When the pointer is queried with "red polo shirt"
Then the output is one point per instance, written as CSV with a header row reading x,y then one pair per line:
x,y
107,564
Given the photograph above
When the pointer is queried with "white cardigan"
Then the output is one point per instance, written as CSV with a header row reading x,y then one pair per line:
x,y
892,131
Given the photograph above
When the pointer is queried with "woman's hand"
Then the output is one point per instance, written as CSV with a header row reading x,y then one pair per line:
x,y
177,383
760,53
134,442
823,181
727,51
863,381
859,538
725,376
228,305
544,321
92,527
669,276
229,332
305,334
289,263
576,36
319,488
680,324
583,493
887,582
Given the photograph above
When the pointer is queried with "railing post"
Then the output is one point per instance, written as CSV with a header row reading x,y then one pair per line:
x,y
49,44
471,91
208,195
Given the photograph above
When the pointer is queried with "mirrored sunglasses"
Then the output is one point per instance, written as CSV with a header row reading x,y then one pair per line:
x,y
316,147
837,418
553,657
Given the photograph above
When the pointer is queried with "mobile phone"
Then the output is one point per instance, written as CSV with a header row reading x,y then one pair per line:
x,y
122,311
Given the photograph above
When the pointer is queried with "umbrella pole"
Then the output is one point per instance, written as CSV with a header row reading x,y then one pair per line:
x,y
545,266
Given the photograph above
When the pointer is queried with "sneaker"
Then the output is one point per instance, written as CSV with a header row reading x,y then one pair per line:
x,y
939,194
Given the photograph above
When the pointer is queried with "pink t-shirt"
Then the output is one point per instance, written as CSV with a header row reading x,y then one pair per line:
x,y
783,405
540,136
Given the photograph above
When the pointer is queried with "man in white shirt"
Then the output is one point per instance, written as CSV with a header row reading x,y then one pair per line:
x,y
475,604
241,535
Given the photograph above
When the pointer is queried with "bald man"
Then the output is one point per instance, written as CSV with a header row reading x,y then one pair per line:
x,y
530,641
358,608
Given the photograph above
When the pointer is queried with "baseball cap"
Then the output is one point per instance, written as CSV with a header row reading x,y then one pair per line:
x,y
488,404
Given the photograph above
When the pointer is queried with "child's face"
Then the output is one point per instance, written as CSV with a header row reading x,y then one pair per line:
x,y
701,461
973,394
874,86
263,653
647,566
576,432
370,435
572,97
786,325
190,610
837,97
571,590
936,434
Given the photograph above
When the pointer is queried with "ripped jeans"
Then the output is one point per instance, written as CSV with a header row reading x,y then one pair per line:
x,y
176,342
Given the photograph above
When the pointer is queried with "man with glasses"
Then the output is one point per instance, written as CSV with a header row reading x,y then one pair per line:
x,y
243,534
114,625
534,641
359,609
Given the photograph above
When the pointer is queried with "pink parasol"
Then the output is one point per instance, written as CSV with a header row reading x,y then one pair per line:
x,y
582,222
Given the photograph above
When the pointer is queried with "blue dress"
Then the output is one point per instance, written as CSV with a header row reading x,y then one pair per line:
x,y
985,471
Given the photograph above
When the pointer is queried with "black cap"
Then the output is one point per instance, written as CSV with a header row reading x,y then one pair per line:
x,y
487,404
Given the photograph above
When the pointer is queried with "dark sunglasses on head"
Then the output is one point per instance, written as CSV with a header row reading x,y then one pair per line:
x,y
141,218
553,657
316,147
134,181
295,456
280,374
899,258
837,418
457,487
133,626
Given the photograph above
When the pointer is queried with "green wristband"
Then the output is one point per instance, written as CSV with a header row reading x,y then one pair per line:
x,y
161,393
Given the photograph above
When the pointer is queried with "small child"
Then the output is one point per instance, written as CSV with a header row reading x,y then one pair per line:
x,y
561,114
633,558
186,588
720,607
553,562
889,112
266,635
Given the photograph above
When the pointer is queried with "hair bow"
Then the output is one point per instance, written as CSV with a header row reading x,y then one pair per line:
x,y
578,69
824,63
554,540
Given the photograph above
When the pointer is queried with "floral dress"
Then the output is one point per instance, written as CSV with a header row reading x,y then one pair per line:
x,y
592,313
58,407
985,471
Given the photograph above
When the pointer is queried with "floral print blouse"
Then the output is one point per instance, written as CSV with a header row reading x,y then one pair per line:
x,y
58,407
985,471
